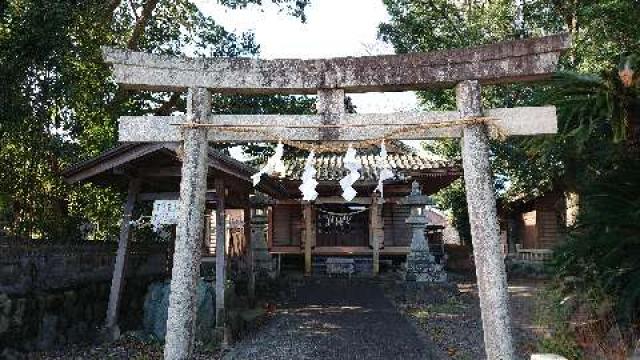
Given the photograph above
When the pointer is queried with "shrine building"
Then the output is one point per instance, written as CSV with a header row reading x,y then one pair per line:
x,y
336,228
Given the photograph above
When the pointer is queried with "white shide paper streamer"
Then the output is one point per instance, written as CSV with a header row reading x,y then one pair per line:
x,y
385,171
353,165
309,183
273,165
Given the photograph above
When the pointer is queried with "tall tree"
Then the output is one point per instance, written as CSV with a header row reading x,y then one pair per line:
x,y
58,104
600,32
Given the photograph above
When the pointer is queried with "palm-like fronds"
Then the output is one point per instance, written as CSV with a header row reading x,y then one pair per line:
x,y
591,107
604,247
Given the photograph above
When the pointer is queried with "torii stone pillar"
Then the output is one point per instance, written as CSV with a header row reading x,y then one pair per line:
x,y
186,258
487,250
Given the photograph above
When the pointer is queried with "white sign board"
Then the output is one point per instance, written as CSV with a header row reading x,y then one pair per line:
x,y
164,212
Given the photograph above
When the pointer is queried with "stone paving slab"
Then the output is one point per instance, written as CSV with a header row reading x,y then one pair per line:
x,y
336,319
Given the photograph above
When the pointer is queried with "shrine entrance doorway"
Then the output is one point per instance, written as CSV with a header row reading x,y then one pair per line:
x,y
342,225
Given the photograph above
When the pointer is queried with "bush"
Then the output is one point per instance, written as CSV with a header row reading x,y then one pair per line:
x,y
594,299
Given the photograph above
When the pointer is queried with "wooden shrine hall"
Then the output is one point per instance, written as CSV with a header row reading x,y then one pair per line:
x,y
363,227
331,226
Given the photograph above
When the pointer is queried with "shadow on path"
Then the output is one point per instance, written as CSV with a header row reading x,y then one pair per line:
x,y
336,319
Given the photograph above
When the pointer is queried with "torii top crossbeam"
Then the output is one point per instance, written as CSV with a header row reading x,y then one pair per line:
x,y
514,61
521,60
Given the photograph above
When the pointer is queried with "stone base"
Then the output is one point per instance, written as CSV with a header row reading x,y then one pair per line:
x,y
110,334
422,267
264,262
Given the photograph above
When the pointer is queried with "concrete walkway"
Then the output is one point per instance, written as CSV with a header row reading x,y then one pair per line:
x,y
336,319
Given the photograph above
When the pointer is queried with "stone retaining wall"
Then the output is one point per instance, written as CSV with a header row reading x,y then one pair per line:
x,y
55,294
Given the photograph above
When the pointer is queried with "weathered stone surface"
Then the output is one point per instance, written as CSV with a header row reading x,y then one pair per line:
x,y
156,306
513,121
520,60
330,106
186,260
261,256
421,265
547,357
41,266
260,261
487,250
5,310
47,332
48,320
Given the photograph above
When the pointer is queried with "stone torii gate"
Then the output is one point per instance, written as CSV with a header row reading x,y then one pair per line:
x,y
466,69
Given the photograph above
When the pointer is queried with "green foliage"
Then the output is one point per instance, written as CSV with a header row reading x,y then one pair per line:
x,y
604,30
286,105
293,7
591,109
595,152
604,248
554,312
454,198
593,106
561,343
58,104
417,25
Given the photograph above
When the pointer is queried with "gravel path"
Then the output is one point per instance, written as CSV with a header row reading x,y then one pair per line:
x,y
450,316
336,319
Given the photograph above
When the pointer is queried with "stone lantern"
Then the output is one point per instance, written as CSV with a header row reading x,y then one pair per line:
x,y
260,262
259,222
421,264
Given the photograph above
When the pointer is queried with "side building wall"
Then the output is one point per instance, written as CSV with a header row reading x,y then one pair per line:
x,y
285,225
396,230
541,227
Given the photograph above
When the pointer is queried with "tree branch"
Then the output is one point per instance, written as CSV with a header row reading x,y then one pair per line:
x,y
133,10
113,5
167,107
133,43
141,24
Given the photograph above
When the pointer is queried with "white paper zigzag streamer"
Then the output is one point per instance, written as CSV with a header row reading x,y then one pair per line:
x,y
309,183
273,165
353,165
385,170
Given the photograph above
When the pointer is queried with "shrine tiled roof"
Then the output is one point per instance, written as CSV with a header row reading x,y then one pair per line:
x,y
330,167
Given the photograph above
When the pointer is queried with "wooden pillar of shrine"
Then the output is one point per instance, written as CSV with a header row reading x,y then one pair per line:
x,y
309,236
250,256
376,231
117,282
221,277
